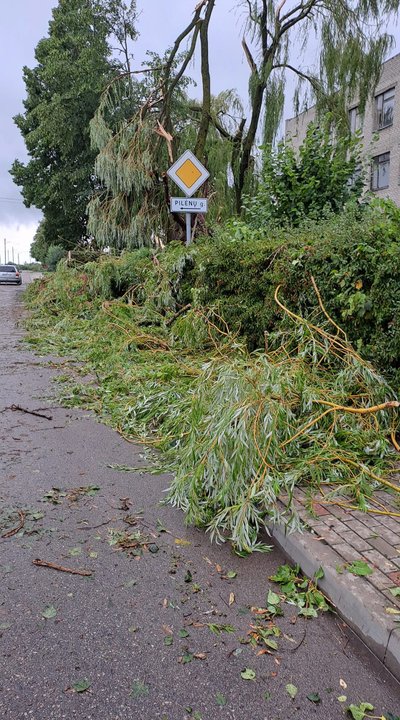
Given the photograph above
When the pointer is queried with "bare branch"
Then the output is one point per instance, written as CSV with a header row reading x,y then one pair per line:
x,y
249,57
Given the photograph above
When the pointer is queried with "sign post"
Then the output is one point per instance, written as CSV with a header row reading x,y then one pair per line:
x,y
189,174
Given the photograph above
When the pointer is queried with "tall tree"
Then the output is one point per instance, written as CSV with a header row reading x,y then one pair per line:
x,y
351,46
137,146
74,63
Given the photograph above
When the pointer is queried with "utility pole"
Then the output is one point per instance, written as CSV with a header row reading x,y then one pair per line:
x,y
5,251
12,253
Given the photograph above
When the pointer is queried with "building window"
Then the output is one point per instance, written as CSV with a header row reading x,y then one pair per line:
x,y
355,120
384,109
380,172
356,176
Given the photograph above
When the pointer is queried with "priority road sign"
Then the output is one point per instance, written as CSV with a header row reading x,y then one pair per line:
x,y
188,173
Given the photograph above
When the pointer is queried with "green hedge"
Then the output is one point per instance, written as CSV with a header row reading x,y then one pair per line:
x,y
354,258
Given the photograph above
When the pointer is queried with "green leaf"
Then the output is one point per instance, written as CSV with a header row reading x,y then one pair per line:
x,y
308,612
267,695
74,552
187,657
319,574
5,626
49,612
248,674
271,643
231,574
183,633
139,689
359,567
168,640
342,698
291,690
273,598
81,686
358,711
314,697
395,591
220,699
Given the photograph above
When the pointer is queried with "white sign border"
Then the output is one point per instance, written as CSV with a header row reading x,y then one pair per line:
x,y
171,172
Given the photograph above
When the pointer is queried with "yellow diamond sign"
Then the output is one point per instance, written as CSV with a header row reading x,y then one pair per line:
x,y
188,173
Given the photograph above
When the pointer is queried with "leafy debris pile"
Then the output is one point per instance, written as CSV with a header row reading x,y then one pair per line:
x,y
239,430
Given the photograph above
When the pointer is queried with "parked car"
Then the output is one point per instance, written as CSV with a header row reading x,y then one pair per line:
x,y
10,274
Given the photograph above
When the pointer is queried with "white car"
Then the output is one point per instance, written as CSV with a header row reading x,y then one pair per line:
x,y
10,274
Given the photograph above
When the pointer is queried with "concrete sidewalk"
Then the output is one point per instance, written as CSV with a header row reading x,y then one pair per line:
x,y
336,536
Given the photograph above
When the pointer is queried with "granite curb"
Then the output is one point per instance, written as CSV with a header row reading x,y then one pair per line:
x,y
362,606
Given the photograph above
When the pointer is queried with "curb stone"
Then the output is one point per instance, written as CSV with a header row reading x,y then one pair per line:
x,y
361,605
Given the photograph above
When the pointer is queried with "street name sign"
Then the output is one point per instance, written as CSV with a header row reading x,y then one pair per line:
x,y
189,205
188,173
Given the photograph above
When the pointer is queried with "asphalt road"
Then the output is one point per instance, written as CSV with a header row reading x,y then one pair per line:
x,y
131,631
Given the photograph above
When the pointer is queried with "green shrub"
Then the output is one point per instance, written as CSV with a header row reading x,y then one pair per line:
x,y
354,257
321,177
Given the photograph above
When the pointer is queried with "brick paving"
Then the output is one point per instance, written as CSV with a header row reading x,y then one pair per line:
x,y
357,535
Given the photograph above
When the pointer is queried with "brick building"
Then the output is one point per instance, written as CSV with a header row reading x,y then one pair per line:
x,y
380,128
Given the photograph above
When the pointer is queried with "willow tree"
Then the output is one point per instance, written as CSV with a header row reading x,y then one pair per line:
x,y
145,119
135,152
349,46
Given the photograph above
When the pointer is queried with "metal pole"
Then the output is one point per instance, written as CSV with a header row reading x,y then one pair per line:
x,y
5,251
12,251
188,229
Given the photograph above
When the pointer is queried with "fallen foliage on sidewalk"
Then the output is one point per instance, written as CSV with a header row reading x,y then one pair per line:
x,y
237,429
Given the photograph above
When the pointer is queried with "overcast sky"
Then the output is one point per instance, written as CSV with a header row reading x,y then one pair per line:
x,y
25,22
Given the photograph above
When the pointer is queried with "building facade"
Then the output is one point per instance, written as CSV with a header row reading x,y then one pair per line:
x,y
379,128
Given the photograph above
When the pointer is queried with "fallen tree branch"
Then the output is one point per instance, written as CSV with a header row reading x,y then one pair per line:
x,y
53,566
14,531
28,412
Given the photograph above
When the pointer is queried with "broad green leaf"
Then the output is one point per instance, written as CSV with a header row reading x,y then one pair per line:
x,y
273,598
168,640
5,626
49,612
231,574
359,567
308,612
358,712
81,686
183,633
395,591
291,690
342,698
314,697
220,699
248,674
